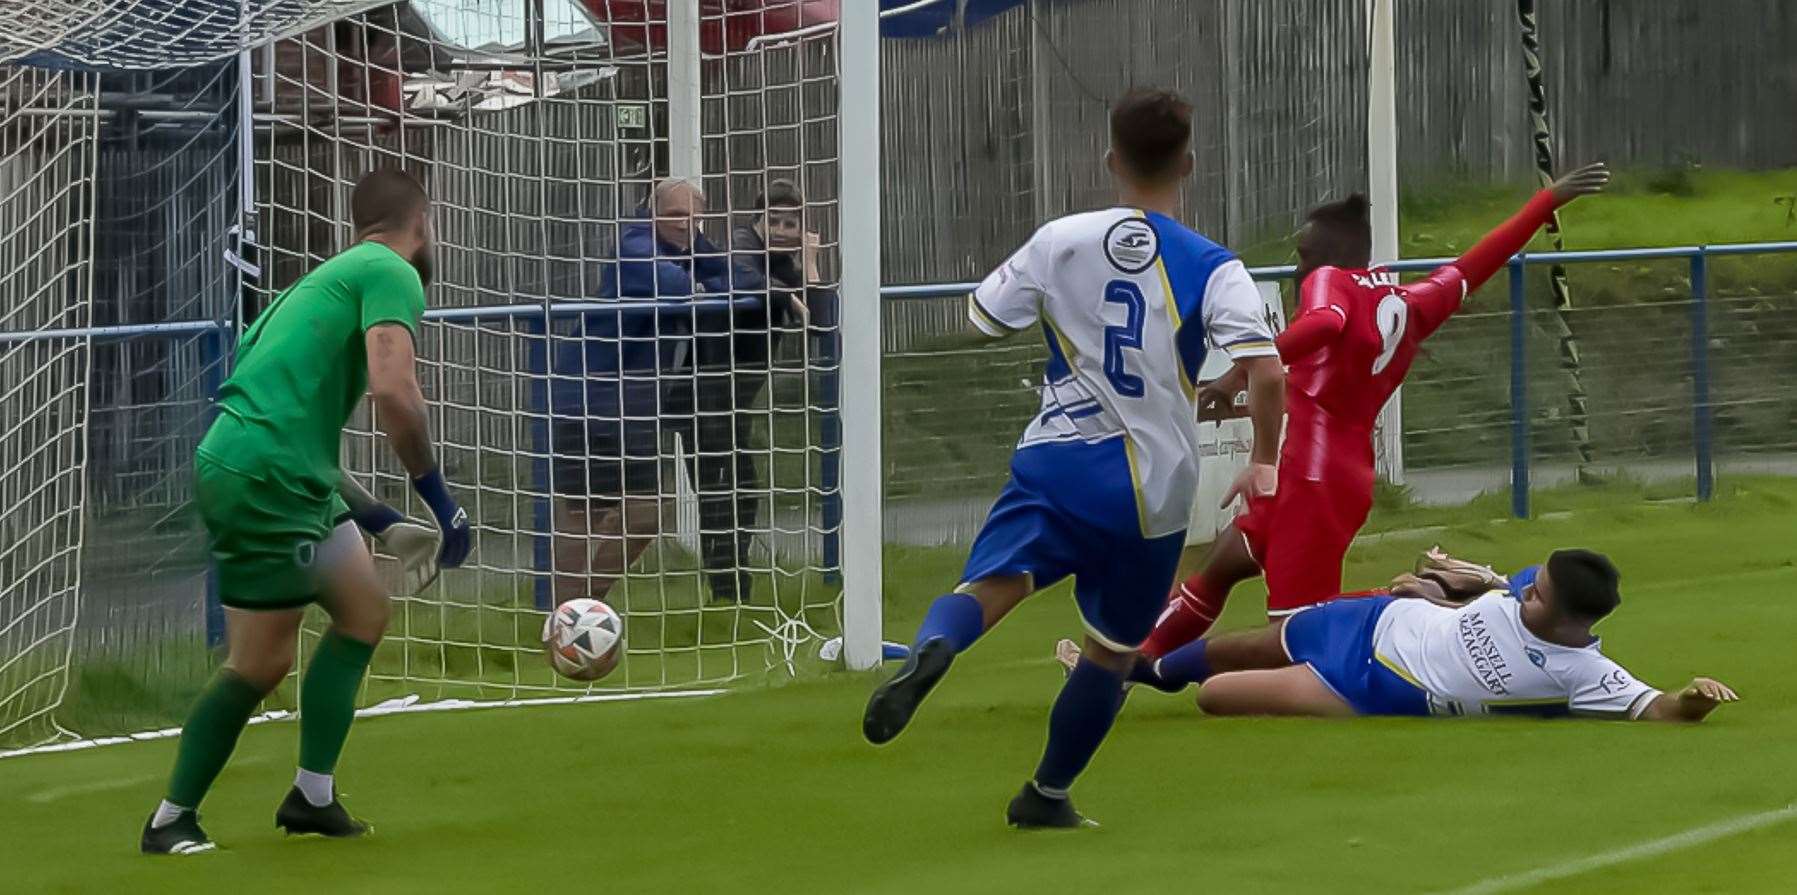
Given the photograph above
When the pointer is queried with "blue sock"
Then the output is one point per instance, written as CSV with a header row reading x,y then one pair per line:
x,y
1187,665
1081,717
956,618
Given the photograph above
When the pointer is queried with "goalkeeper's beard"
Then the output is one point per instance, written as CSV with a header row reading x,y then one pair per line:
x,y
425,262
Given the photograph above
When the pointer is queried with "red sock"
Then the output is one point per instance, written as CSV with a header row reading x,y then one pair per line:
x,y
1191,610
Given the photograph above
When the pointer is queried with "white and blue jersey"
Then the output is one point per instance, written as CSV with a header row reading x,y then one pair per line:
x,y
1128,303
1387,656
1102,481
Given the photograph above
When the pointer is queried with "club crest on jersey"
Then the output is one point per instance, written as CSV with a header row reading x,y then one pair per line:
x,y
1131,245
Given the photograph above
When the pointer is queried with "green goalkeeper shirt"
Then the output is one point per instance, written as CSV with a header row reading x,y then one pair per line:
x,y
303,365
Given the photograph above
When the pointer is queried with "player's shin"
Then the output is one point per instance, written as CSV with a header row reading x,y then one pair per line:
x,y
1081,718
208,738
956,618
1195,605
327,706
1190,664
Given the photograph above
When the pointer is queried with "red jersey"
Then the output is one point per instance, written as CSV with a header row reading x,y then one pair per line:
x,y
1356,334
1357,331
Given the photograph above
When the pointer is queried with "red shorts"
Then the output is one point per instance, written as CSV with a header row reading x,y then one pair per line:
x,y
1300,535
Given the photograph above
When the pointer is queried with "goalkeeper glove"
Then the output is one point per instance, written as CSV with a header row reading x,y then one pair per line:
x,y
452,520
415,546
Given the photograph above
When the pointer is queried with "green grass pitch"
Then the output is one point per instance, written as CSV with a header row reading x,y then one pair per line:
x,y
770,788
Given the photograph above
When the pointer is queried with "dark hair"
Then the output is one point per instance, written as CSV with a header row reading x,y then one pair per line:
x,y
385,200
1151,130
779,194
1584,583
1349,226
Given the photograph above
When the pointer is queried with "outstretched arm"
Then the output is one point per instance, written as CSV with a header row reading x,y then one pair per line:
x,y
1690,705
1496,248
1435,299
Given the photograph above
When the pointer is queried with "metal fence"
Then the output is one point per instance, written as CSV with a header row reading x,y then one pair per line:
x,y
994,129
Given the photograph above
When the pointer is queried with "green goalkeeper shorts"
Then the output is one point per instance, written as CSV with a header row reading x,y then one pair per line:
x,y
265,537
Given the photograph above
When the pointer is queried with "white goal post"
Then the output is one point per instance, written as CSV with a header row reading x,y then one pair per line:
x,y
1382,192
863,483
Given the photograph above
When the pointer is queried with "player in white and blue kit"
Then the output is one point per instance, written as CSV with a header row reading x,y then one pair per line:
x,y
1127,300
1524,647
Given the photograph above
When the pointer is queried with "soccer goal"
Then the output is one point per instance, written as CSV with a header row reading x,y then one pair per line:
x,y
676,445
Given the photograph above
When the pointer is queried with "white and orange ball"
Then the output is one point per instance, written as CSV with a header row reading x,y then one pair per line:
x,y
584,639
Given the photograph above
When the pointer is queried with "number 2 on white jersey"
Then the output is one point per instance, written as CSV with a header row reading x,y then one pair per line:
x,y
1392,317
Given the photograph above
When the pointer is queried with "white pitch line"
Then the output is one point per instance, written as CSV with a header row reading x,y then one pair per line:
x,y
57,793
404,705
86,789
1649,849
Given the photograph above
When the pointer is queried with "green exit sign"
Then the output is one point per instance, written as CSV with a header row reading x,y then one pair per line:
x,y
633,116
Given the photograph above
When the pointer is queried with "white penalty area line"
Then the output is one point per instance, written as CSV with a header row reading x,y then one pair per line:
x,y
1650,849
405,705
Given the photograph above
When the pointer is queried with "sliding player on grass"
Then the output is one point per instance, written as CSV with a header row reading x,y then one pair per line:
x,y
1525,648
273,498
1354,338
1102,480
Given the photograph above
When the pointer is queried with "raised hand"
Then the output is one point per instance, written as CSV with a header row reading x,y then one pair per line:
x,y
1586,181
808,255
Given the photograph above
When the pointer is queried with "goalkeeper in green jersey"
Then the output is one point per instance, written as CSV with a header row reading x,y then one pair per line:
x,y
278,509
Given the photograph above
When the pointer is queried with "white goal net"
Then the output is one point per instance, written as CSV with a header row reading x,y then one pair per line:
x,y
47,157
570,370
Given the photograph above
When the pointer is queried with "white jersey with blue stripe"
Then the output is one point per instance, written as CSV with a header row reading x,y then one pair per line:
x,y
1128,303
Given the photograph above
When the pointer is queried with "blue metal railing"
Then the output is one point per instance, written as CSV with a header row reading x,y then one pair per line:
x,y
1697,256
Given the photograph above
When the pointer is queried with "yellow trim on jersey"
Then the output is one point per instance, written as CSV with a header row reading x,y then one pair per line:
x,y
1243,346
975,308
1399,672
1066,346
1135,482
1172,301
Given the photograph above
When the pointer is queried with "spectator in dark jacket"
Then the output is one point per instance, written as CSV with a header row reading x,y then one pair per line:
x,y
774,259
665,255
637,390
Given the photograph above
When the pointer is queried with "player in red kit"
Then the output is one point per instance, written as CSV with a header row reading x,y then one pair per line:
x,y
1355,335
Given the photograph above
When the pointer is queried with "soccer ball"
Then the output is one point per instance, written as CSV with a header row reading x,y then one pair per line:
x,y
584,639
